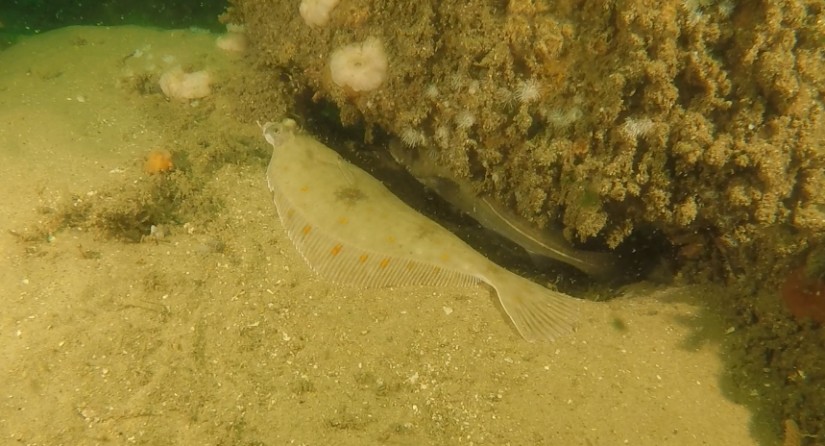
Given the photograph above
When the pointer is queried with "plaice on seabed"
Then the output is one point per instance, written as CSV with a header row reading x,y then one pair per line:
x,y
352,230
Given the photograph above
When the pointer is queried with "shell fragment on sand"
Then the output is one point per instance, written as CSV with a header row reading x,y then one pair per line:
x,y
352,230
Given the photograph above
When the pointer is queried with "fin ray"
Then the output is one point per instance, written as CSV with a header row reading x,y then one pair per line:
x,y
538,313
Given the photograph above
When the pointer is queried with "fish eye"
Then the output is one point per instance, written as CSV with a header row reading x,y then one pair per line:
x,y
274,131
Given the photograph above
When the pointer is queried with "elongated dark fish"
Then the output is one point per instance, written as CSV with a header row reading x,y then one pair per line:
x,y
497,218
351,230
539,244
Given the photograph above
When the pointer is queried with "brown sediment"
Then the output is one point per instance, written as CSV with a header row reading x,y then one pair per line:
x,y
804,296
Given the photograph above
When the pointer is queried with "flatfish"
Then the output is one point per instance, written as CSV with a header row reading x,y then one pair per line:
x,y
489,213
352,230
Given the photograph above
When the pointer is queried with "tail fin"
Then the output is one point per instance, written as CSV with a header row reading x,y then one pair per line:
x,y
538,313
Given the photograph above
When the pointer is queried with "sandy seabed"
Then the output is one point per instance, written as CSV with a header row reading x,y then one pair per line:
x,y
217,333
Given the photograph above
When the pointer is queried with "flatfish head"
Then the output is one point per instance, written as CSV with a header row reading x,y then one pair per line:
x,y
352,230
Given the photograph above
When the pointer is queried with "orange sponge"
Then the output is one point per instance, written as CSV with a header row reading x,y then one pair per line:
x,y
158,161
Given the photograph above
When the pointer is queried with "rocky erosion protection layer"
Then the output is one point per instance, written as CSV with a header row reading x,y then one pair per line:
x,y
700,119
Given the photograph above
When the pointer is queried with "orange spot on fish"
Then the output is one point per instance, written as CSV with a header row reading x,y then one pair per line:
x,y
391,239
336,249
343,220
306,229
304,188
444,256
363,258
384,263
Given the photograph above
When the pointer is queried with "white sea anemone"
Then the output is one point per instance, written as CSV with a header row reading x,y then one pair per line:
x,y
726,8
233,42
431,91
456,81
528,91
442,136
474,87
178,84
359,66
465,119
562,118
413,138
316,12
634,128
